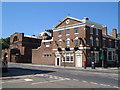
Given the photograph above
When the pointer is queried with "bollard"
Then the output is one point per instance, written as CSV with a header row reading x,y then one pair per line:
x,y
93,65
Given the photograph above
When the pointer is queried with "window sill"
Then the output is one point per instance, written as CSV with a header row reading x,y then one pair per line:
x,y
67,34
59,35
76,33
68,61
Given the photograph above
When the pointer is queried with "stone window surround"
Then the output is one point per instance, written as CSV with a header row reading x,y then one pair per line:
x,y
97,41
113,53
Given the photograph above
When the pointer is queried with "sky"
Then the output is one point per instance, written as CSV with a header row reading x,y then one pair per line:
x,y
33,18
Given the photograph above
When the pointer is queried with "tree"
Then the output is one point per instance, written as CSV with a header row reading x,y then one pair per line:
x,y
5,42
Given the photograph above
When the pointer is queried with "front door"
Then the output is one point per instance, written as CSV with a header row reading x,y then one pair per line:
x,y
79,60
58,61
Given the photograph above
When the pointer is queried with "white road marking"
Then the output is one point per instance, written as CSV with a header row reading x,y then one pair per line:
x,y
45,75
115,87
40,75
60,77
50,76
55,77
20,80
75,79
103,84
93,83
28,79
108,85
67,78
84,81
46,82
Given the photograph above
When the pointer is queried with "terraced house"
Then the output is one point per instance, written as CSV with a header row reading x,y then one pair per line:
x,y
76,41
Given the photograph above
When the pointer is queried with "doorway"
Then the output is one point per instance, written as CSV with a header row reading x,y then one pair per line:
x,y
58,61
78,59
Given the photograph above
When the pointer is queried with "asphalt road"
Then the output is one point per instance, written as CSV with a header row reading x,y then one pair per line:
x,y
36,76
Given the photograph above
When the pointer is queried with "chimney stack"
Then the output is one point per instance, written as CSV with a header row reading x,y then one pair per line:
x,y
104,30
86,18
33,35
114,32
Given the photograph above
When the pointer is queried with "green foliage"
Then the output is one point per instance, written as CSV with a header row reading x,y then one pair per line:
x,y
5,42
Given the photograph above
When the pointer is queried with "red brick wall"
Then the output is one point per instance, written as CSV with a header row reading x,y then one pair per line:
x,y
38,54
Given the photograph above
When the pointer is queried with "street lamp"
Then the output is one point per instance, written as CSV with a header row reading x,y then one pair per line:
x,y
93,59
102,58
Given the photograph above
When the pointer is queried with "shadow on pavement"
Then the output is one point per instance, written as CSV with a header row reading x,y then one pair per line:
x,y
14,71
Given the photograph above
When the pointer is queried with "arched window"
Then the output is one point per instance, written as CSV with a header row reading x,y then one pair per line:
x,y
97,42
60,42
76,41
15,38
68,42
91,41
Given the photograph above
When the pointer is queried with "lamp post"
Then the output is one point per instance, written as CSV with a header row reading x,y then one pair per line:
x,y
93,59
102,58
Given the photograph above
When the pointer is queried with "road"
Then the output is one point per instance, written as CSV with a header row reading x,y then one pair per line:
x,y
36,76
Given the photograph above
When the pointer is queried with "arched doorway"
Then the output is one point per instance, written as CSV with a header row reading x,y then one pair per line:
x,y
14,55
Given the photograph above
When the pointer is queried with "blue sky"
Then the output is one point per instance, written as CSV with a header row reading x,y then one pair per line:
x,y
34,17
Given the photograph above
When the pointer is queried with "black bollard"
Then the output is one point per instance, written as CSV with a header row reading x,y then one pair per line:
x,y
93,65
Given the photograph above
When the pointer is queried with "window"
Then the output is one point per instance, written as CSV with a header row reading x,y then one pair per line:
x,y
97,31
68,42
76,42
60,42
91,41
68,57
15,38
95,56
59,32
75,30
110,43
109,55
112,56
116,44
97,42
104,42
67,31
91,30
47,55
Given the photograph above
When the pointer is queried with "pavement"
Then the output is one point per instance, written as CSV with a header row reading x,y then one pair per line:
x,y
88,68
21,75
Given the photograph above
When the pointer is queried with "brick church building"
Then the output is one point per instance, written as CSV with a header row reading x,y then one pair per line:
x,y
20,49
